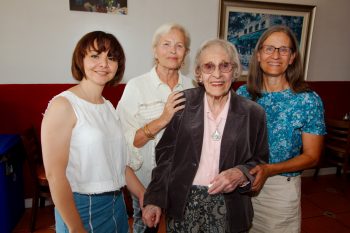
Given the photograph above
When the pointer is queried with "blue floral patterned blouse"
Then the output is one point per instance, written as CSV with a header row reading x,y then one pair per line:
x,y
288,115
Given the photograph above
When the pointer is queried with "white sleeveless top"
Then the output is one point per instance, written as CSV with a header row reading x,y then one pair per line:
x,y
97,153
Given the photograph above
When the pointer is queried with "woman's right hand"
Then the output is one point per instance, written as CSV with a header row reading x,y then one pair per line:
x,y
151,215
175,102
261,173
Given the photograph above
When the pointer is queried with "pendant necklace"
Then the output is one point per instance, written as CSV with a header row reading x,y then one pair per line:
x,y
216,136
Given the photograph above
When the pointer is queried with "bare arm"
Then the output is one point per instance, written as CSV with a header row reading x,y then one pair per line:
x,y
171,107
56,132
134,185
312,148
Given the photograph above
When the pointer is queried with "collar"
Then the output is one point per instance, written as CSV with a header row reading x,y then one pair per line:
x,y
157,82
223,114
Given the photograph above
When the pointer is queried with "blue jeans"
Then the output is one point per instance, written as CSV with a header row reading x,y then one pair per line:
x,y
100,213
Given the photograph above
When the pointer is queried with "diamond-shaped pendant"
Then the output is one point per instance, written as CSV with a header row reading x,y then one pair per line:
x,y
216,135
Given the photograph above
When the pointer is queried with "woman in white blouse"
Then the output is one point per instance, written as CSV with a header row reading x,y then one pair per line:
x,y
83,145
150,101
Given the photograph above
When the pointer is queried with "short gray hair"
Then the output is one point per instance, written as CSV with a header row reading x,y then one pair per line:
x,y
165,28
230,50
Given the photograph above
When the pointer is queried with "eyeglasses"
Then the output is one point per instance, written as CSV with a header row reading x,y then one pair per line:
x,y
210,67
269,49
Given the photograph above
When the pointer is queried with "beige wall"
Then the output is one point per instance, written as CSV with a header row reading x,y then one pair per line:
x,y
38,36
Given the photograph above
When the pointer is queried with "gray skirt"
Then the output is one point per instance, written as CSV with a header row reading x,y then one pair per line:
x,y
203,213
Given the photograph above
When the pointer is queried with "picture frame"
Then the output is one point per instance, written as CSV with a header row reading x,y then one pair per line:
x,y
243,22
118,7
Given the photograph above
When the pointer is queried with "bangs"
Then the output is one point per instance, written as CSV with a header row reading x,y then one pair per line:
x,y
103,44
99,42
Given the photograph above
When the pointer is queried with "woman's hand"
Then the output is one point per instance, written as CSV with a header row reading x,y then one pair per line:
x,y
174,103
312,148
227,181
151,215
261,173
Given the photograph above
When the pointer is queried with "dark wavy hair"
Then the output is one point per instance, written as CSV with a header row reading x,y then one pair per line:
x,y
100,42
294,72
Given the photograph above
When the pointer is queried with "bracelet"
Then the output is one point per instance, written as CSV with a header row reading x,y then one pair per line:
x,y
147,132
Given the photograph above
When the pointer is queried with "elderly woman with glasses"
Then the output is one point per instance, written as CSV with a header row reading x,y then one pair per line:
x,y
202,178
295,127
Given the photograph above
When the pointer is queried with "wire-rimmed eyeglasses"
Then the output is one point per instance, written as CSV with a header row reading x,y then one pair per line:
x,y
210,67
269,49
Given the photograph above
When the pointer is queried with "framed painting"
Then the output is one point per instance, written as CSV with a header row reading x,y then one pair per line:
x,y
242,23
119,7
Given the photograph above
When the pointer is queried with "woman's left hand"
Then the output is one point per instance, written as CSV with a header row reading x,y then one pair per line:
x,y
227,181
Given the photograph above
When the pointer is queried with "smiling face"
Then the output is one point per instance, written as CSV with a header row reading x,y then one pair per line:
x,y
99,68
275,65
170,50
218,83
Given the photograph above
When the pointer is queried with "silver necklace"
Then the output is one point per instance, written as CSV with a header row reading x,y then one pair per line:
x,y
216,136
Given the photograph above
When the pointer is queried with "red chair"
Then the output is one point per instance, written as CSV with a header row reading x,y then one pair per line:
x,y
32,149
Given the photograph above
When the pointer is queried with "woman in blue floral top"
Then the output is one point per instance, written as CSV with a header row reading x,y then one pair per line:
x,y
295,121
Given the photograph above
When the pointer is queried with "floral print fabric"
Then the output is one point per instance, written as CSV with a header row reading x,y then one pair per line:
x,y
289,115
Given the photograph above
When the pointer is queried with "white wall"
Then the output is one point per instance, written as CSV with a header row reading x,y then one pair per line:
x,y
38,36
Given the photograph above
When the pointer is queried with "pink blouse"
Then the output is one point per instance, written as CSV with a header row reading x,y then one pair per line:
x,y
210,155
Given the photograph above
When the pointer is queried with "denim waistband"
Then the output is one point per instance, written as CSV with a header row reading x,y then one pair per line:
x,y
110,193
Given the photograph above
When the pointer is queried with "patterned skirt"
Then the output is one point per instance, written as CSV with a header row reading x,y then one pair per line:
x,y
203,213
